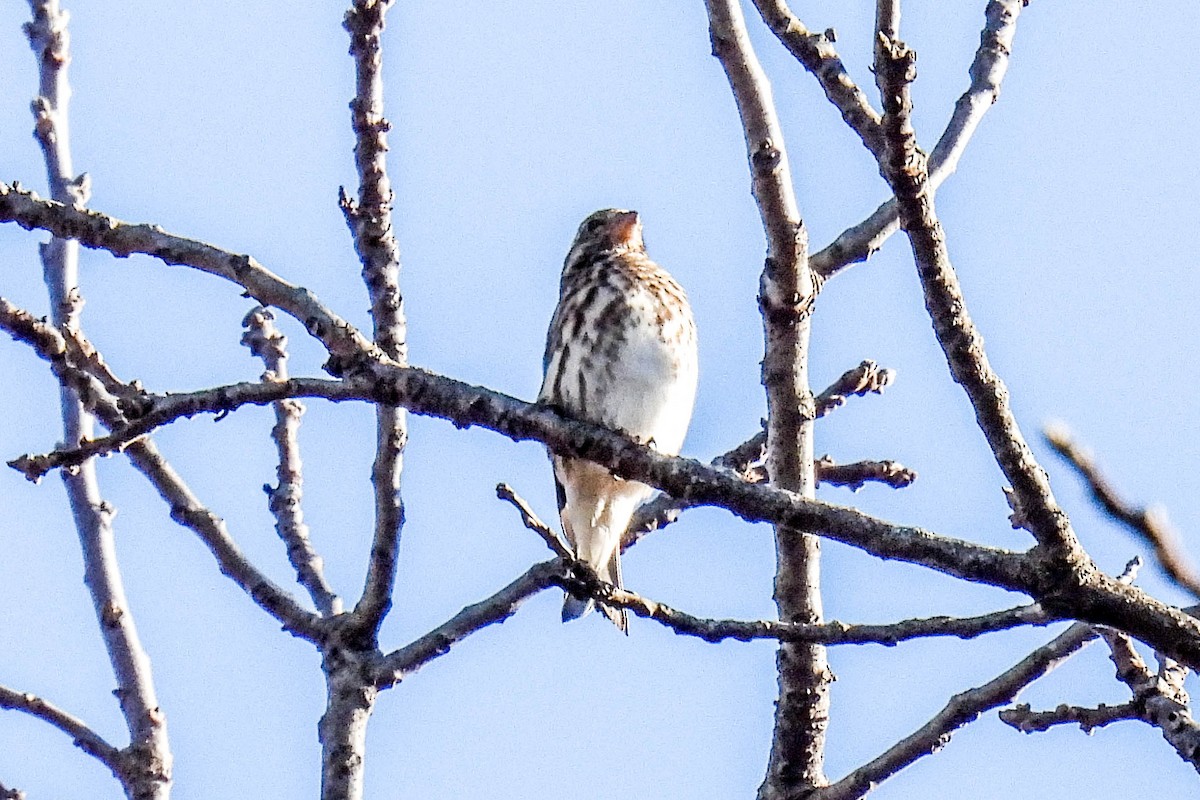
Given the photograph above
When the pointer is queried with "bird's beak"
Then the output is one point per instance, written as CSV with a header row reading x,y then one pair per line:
x,y
626,229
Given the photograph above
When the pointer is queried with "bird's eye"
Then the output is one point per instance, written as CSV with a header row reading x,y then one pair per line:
x,y
594,225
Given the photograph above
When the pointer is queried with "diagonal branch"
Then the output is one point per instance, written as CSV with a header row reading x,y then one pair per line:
x,y
148,771
345,343
1148,523
987,71
815,51
370,219
83,736
269,344
399,664
531,521
962,709
905,169
186,508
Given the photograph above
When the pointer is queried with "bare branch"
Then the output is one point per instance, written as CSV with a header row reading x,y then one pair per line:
x,y
854,476
1026,720
531,521
83,736
399,664
856,244
866,378
1097,599
905,170
1150,524
828,633
186,508
151,411
345,343
962,709
787,291
1161,698
370,219
269,344
663,509
148,771
816,52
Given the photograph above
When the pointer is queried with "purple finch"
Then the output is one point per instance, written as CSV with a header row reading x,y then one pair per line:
x,y
621,352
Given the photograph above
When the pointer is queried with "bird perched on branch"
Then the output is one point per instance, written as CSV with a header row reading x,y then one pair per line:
x,y
621,352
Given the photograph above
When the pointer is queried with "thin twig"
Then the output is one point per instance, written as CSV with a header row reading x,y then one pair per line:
x,y
83,736
154,411
1026,720
147,773
827,633
867,378
186,508
399,664
857,474
856,244
531,521
269,344
1150,524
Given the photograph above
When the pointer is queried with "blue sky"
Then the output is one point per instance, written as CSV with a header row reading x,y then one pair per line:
x,y
1070,223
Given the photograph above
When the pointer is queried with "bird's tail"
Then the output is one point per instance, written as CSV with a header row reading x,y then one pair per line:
x,y
574,607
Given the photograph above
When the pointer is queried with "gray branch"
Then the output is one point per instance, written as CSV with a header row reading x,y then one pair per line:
x,y
987,71
284,499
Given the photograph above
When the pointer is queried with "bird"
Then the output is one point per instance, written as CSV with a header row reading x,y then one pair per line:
x,y
620,352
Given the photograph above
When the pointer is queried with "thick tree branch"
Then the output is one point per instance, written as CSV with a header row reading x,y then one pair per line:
x,y
905,169
787,291
1148,523
370,219
83,736
856,244
1089,595
284,499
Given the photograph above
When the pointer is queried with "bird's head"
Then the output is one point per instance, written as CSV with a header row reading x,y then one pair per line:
x,y
609,229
